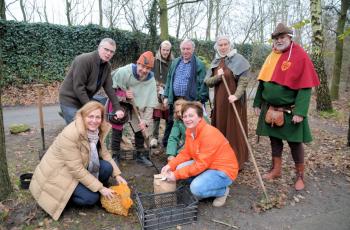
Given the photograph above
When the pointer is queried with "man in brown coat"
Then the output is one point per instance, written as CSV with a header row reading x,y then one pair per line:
x,y
87,74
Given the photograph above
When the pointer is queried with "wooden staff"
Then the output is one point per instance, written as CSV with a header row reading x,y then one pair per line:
x,y
246,140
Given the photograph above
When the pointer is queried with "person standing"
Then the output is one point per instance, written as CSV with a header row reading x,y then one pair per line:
x,y
235,69
161,65
185,80
282,101
87,74
135,82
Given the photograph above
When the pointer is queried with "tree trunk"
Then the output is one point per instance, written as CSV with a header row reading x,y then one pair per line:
x,y
349,131
179,8
210,16
23,10
323,100
338,55
163,18
5,182
68,11
100,12
2,10
217,15
152,23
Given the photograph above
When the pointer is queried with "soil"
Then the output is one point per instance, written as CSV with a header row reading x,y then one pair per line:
x,y
324,204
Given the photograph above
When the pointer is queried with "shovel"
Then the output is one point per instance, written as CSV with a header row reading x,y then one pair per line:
x,y
41,117
144,134
246,141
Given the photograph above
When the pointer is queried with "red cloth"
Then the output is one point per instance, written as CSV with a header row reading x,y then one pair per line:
x,y
296,73
162,114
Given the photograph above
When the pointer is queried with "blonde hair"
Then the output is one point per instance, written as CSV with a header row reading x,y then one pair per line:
x,y
179,102
84,111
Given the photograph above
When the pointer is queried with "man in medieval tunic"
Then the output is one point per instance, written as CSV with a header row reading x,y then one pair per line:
x,y
282,100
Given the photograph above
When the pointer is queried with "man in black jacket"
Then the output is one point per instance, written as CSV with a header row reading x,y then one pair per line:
x,y
87,74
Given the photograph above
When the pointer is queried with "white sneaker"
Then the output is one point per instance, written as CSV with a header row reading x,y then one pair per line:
x,y
154,143
220,201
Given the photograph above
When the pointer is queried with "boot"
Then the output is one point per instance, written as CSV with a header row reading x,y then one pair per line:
x,y
275,171
116,157
299,184
142,158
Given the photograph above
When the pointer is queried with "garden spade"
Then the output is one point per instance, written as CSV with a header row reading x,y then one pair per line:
x,y
144,133
41,117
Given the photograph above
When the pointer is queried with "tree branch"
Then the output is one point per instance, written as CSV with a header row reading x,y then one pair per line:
x,y
181,3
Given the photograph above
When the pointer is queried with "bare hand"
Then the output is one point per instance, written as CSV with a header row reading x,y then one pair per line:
x,y
257,111
220,72
121,180
106,192
232,98
165,103
170,158
129,94
297,119
142,125
119,114
165,170
170,176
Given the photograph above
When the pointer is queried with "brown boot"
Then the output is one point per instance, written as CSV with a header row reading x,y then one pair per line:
x,y
299,184
275,171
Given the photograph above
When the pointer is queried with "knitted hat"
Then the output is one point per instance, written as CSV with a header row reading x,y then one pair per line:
x,y
146,59
281,29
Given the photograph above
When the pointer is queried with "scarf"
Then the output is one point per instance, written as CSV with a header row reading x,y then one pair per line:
x,y
94,163
291,68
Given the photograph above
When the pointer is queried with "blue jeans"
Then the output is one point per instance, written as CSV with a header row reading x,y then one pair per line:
x,y
210,183
83,196
68,113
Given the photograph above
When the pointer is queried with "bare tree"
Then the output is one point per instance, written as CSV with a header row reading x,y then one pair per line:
x,y
323,100
339,43
210,6
77,10
2,9
113,10
5,182
24,14
100,12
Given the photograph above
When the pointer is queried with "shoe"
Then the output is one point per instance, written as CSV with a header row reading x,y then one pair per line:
x,y
299,184
140,158
275,171
220,201
154,143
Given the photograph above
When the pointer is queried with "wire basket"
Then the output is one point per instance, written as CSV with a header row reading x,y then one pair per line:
x,y
165,210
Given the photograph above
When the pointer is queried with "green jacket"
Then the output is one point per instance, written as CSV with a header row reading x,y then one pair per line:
x,y
176,140
201,90
273,94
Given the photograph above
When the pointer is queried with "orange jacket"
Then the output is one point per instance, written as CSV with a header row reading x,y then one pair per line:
x,y
209,149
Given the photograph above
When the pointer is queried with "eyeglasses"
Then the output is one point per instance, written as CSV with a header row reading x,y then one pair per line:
x,y
108,50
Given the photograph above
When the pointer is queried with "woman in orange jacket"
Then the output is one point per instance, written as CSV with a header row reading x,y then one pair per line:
x,y
207,158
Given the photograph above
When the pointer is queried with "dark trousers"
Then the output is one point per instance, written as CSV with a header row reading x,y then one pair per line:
x,y
296,149
117,137
83,196
168,126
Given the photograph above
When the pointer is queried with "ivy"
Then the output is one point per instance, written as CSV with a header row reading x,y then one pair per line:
x,y
43,52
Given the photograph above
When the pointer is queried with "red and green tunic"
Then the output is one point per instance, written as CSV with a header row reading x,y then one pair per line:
x,y
286,80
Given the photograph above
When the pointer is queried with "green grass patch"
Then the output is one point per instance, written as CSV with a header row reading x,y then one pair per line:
x,y
331,114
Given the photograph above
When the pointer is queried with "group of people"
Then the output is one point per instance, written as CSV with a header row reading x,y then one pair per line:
x,y
209,155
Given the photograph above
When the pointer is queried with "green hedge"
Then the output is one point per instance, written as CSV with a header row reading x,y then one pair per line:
x,y
42,52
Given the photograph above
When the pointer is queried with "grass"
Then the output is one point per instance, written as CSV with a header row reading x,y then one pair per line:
x,y
331,114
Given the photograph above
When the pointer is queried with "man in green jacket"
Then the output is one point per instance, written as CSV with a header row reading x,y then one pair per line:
x,y
185,80
283,96
87,74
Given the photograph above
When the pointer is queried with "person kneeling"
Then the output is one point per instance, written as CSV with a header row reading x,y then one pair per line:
x,y
77,165
207,158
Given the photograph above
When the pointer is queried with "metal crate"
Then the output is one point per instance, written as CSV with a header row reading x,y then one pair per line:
x,y
165,210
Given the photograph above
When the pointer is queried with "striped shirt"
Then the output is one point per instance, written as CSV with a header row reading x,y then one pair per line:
x,y
181,78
